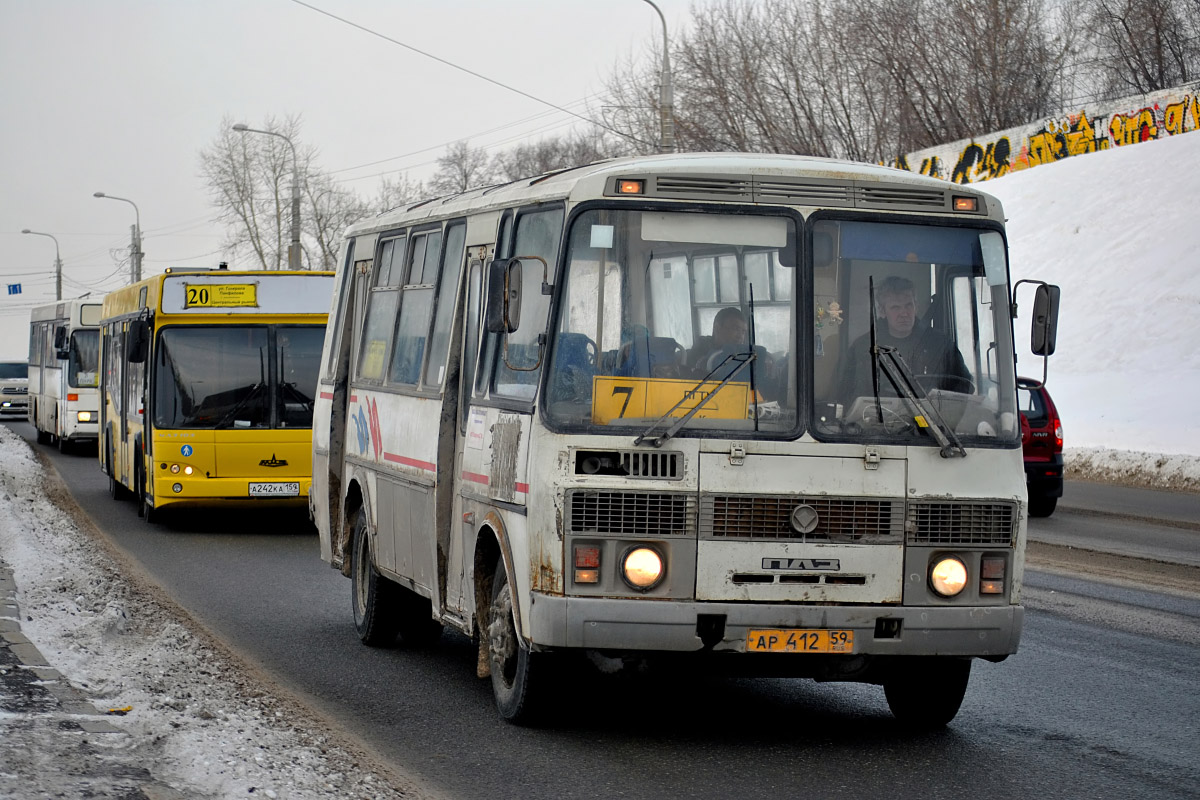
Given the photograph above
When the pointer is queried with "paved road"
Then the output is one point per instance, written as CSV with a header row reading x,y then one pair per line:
x,y
1099,702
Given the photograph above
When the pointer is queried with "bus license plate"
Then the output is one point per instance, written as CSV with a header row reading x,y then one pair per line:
x,y
799,641
275,489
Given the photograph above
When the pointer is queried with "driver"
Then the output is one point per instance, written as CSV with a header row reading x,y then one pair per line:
x,y
926,351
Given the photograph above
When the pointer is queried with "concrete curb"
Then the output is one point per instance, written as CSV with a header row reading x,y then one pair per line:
x,y
70,701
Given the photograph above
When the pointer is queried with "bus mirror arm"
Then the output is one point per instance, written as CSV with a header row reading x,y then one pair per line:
x,y
1043,332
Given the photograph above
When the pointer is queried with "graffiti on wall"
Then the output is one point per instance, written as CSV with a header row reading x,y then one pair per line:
x,y
1115,124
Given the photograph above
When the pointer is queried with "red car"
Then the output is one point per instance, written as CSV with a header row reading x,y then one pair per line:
x,y
1042,441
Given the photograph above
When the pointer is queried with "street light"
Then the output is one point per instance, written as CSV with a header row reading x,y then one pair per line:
x,y
57,263
666,102
294,247
135,260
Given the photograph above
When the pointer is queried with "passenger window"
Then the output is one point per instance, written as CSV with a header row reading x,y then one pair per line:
x,y
381,311
416,301
452,259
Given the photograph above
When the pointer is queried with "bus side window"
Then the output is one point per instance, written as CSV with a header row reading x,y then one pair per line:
x,y
448,281
382,303
416,301
537,234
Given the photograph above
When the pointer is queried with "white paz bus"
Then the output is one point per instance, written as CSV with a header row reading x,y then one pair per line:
x,y
64,364
756,412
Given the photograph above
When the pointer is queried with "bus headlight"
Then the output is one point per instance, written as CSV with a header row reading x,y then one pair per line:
x,y
84,416
948,576
643,568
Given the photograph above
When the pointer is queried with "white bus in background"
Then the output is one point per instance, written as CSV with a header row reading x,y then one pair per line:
x,y
64,361
643,409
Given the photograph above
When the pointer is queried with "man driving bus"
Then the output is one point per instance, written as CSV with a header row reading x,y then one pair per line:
x,y
931,356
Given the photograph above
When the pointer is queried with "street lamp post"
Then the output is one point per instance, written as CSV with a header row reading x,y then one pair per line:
x,y
135,258
666,102
294,247
57,263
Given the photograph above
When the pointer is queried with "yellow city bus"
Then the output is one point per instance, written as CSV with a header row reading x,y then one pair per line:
x,y
207,387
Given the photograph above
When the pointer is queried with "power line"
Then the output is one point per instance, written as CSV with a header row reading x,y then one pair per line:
x,y
470,72
443,144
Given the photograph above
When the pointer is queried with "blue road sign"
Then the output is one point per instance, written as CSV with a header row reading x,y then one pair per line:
x,y
14,288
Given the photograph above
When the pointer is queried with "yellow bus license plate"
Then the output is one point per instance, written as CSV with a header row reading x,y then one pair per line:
x,y
799,641
291,489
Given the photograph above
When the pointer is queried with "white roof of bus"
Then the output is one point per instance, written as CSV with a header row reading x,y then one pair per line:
x,y
589,180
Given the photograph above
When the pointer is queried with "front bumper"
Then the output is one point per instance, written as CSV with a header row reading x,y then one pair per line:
x,y
663,625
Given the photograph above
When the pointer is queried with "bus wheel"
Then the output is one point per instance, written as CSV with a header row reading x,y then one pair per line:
x,y
373,596
517,699
927,693
64,445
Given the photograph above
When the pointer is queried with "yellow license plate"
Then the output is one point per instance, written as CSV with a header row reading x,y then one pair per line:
x,y
799,641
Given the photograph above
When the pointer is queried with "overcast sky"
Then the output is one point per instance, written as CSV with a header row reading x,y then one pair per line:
x,y
121,96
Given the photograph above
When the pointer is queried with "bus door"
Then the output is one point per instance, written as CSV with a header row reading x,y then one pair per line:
x,y
468,445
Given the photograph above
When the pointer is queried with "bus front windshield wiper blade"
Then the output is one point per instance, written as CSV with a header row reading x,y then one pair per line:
x,y
232,413
744,359
923,412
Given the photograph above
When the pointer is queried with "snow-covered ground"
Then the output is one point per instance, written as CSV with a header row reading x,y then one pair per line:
x,y
198,722
1117,230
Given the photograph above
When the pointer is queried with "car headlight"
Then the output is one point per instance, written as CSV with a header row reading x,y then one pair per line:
x,y
643,568
948,576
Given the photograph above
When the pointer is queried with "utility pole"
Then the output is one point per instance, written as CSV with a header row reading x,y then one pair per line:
x,y
135,249
294,247
666,99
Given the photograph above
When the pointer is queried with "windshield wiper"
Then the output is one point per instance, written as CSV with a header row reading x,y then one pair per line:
x,y
248,396
745,359
239,405
910,391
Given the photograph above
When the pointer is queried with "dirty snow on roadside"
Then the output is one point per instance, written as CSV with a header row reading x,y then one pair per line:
x,y
197,722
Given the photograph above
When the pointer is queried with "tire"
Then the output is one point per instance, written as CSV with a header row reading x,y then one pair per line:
x,y
373,597
926,693
1042,506
519,682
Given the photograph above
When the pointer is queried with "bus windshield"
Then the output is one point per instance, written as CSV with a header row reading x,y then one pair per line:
x,y
659,308
244,376
941,324
84,359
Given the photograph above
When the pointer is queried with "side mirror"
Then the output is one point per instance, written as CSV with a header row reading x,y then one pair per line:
x,y
60,339
137,341
504,296
1044,330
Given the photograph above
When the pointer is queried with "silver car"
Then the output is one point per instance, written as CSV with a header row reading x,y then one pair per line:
x,y
14,389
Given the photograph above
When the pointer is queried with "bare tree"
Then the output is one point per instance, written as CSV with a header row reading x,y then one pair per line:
x,y
398,192
553,153
250,178
1143,46
461,168
333,208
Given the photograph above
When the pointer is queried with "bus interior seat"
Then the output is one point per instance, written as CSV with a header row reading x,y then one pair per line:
x,y
650,357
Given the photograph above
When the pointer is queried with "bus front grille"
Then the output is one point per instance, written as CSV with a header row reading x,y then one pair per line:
x,y
630,513
958,523
837,520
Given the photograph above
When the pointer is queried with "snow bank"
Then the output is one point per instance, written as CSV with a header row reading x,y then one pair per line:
x,y
197,721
